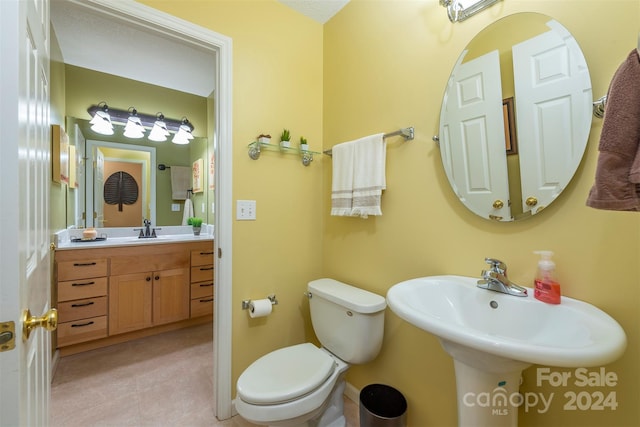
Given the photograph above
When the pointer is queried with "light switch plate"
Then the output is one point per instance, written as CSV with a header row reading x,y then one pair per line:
x,y
246,210
175,207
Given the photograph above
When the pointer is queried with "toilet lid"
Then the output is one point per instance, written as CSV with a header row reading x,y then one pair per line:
x,y
285,374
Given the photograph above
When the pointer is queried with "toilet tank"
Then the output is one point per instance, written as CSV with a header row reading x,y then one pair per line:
x,y
348,321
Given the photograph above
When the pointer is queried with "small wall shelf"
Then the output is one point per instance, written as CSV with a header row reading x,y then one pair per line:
x,y
255,148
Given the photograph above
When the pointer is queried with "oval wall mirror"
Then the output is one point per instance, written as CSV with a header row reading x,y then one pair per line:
x,y
515,117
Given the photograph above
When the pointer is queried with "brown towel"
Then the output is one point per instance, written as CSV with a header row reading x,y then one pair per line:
x,y
617,182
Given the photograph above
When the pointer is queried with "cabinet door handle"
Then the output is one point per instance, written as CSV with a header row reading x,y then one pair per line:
x,y
205,285
206,268
80,325
84,304
157,278
83,284
206,300
206,253
148,279
83,264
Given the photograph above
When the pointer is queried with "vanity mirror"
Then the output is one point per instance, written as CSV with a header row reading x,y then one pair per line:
x,y
139,159
515,117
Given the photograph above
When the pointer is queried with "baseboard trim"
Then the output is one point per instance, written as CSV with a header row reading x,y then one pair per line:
x,y
353,393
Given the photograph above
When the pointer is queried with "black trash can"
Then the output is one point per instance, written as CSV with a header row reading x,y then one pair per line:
x,y
382,406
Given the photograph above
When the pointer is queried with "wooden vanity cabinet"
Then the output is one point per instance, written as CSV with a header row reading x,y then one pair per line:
x,y
82,300
201,282
140,298
114,294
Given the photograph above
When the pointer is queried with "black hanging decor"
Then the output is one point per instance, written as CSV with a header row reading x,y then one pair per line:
x,y
120,188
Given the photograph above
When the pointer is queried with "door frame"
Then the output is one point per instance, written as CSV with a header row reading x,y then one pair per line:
x,y
221,46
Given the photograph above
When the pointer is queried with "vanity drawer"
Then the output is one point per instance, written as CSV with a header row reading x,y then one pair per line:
x,y
82,309
202,257
202,289
201,306
82,289
202,273
82,269
82,330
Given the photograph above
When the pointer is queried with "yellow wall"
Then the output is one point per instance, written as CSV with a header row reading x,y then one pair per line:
x,y
386,66
375,67
277,83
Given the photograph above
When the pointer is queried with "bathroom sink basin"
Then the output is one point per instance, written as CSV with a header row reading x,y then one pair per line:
x,y
571,334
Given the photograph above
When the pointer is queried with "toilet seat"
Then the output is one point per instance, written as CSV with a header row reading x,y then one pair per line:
x,y
285,375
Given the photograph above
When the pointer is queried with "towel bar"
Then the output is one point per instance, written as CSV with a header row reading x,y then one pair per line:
x,y
599,106
407,133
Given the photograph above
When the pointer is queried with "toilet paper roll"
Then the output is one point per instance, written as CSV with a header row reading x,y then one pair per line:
x,y
260,308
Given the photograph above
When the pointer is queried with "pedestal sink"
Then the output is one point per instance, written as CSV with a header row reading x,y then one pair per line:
x,y
493,336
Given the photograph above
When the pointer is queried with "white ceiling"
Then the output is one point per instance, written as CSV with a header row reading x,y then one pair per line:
x,y
88,40
319,10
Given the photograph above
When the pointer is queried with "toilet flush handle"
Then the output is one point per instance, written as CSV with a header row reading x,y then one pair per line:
x,y
308,294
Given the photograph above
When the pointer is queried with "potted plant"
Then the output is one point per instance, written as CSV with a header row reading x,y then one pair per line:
x,y
264,139
196,223
285,139
303,144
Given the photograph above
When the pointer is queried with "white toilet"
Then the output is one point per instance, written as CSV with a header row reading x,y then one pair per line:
x,y
303,384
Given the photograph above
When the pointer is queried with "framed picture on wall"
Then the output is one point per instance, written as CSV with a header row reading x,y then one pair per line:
x,y
73,178
197,170
212,171
510,137
59,155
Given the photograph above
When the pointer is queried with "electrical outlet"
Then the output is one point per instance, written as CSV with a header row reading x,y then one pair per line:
x,y
175,207
246,210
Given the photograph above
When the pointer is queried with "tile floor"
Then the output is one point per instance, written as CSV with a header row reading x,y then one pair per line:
x,y
164,380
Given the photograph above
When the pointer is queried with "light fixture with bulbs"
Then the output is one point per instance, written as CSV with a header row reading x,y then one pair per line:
x,y
133,128
103,118
459,10
159,131
183,136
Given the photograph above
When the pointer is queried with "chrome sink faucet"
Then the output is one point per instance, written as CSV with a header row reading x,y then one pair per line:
x,y
495,279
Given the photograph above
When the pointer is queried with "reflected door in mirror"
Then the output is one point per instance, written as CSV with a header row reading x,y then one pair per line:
x,y
543,69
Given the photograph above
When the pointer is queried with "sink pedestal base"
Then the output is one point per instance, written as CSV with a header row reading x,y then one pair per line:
x,y
487,386
486,398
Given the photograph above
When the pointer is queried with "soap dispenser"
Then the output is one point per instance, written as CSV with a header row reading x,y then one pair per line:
x,y
546,287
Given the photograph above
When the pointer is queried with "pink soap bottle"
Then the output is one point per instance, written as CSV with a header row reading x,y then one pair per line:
x,y
546,287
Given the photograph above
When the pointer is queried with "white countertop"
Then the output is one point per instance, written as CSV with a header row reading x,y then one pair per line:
x,y
127,236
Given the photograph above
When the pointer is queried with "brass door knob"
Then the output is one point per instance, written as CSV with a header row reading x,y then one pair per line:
x,y
498,204
49,321
531,201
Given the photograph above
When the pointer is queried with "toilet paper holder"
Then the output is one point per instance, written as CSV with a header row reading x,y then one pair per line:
x,y
246,304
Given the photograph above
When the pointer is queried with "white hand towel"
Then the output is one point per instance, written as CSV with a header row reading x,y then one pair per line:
x,y
188,211
180,182
369,175
358,176
342,179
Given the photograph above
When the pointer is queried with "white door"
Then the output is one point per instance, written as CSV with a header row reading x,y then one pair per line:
x,y
98,188
94,200
80,143
25,281
472,138
553,100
